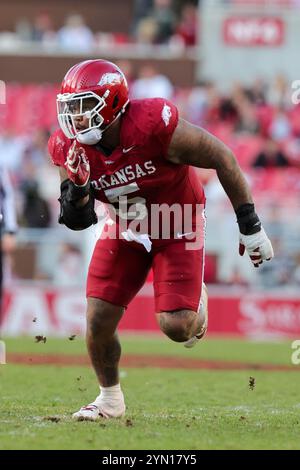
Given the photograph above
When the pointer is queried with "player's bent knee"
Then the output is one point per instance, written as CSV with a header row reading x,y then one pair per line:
x,y
178,325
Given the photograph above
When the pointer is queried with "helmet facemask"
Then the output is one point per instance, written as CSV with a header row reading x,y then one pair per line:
x,y
71,106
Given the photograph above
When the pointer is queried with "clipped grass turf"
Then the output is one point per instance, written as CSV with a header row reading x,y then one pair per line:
x,y
167,409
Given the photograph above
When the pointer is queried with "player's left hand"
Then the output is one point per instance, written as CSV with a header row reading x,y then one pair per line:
x,y
258,247
77,165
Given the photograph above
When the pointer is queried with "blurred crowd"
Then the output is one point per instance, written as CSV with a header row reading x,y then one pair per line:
x,y
262,113
176,23
154,22
166,21
259,122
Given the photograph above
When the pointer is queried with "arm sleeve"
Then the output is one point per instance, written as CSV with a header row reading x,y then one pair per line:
x,y
8,205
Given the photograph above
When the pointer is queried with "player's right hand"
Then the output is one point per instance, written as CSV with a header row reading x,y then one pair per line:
x,y
77,165
258,247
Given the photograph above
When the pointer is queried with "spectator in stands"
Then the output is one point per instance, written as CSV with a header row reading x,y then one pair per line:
x,y
23,29
237,93
213,97
160,20
141,10
36,211
228,111
43,30
196,104
146,31
75,35
36,149
280,128
247,118
152,84
279,93
257,92
187,27
12,147
271,156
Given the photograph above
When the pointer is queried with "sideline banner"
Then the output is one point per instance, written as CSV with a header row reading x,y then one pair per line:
x,y
32,310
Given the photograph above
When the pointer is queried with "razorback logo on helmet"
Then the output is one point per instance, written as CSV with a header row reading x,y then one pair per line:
x,y
110,79
166,114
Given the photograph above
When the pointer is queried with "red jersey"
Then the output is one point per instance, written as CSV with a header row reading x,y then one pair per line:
x,y
137,167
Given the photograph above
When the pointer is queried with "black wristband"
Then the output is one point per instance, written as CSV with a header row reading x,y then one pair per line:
x,y
75,218
74,192
247,219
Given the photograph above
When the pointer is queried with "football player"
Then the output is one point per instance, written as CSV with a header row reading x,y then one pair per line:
x,y
109,148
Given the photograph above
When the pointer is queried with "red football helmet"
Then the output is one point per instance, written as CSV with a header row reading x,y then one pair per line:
x,y
94,89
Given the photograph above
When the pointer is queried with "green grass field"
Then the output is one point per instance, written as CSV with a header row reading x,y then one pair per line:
x,y
167,408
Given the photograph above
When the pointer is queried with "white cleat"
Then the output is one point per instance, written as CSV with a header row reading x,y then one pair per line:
x,y
98,409
190,343
89,412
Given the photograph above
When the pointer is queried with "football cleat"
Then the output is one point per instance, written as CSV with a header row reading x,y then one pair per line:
x,y
100,409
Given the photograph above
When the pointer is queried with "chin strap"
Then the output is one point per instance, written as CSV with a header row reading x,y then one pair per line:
x,y
91,137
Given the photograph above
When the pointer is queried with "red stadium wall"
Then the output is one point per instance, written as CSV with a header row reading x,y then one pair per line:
x,y
61,312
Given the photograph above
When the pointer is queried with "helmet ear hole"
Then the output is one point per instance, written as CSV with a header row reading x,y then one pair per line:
x,y
116,101
96,120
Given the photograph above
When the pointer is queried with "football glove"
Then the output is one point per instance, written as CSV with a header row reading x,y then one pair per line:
x,y
258,247
77,165
253,238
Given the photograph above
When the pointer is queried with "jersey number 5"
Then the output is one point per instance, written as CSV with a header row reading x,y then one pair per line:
x,y
133,208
